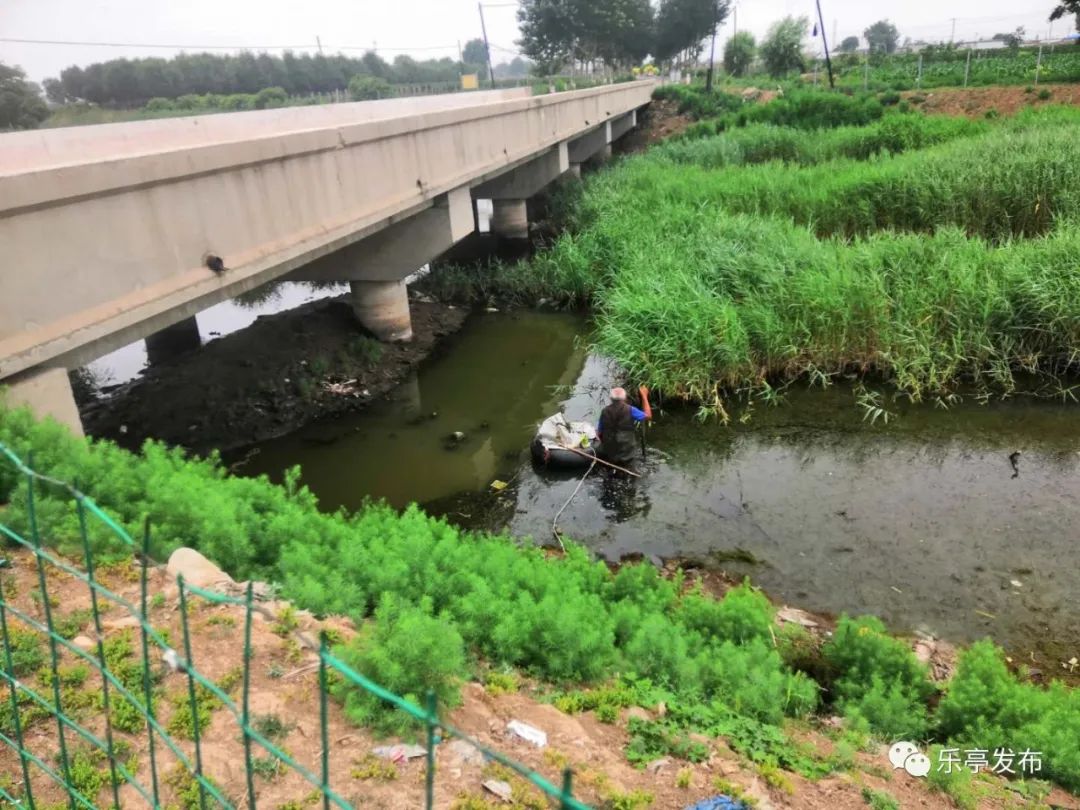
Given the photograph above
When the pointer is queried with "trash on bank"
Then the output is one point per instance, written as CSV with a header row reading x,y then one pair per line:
x,y
528,733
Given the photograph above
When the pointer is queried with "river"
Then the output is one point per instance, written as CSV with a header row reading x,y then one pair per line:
x,y
922,521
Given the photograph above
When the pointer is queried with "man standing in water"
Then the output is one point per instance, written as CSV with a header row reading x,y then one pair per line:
x,y
616,426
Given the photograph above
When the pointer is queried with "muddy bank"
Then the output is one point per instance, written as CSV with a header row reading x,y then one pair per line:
x,y
282,372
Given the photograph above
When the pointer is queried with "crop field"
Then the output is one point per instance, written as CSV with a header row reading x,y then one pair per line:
x,y
946,68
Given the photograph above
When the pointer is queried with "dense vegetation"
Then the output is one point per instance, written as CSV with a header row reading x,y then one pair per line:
x,y
129,83
926,252
441,602
945,67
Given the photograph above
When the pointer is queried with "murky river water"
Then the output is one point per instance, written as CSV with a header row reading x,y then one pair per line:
x,y
921,521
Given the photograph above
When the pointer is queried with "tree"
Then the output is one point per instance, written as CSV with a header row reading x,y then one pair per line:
x,y
781,49
21,105
54,91
613,32
882,37
475,53
1067,7
1013,39
739,53
849,45
681,25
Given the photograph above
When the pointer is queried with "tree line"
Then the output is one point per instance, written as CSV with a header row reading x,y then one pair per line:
x,y
616,33
133,82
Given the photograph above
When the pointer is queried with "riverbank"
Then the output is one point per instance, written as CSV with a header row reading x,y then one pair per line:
x,y
284,371
719,665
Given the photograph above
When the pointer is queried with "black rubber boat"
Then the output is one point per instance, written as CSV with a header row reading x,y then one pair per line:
x,y
556,436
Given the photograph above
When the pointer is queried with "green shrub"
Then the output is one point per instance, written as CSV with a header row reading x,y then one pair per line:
x,y
270,97
985,706
408,651
366,88
879,682
159,105
27,649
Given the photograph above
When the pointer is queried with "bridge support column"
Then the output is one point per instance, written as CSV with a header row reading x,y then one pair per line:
x,y
382,307
47,393
376,267
575,169
509,190
174,340
510,219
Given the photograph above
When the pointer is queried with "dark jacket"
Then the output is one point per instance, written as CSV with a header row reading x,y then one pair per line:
x,y
618,441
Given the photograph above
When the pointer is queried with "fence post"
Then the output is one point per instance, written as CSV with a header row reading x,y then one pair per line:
x,y
9,668
323,688
432,723
918,79
866,74
567,788
148,689
1038,65
105,703
58,709
967,67
189,667
246,709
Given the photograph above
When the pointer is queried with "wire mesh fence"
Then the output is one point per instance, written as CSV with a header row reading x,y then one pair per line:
x,y
124,722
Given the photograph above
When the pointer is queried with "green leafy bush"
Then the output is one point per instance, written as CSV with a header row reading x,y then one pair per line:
x,y
270,97
985,706
878,680
366,88
408,651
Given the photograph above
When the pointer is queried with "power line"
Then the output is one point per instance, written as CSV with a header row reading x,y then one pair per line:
x,y
152,45
181,47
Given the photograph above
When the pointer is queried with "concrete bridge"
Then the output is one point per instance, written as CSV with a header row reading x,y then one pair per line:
x,y
113,233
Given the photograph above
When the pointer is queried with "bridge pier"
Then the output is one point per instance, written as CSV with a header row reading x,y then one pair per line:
x,y
172,341
509,190
47,392
376,267
382,307
510,219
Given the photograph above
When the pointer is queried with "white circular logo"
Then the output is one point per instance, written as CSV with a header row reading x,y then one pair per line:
x,y
906,755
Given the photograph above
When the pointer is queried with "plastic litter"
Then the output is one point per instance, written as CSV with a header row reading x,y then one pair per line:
x,y
399,753
498,485
718,803
500,789
528,733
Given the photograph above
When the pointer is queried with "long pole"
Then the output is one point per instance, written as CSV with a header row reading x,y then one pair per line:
x,y
952,36
712,55
487,48
825,42
1038,65
967,67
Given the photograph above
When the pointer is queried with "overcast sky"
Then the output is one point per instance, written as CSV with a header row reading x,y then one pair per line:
x,y
417,27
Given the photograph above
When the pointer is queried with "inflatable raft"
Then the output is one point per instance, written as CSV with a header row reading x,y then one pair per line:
x,y
555,435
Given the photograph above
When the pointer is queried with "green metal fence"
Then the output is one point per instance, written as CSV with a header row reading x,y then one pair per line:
x,y
34,751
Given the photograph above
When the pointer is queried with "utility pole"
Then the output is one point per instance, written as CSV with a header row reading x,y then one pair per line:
x,y
487,48
712,55
952,36
828,61
319,43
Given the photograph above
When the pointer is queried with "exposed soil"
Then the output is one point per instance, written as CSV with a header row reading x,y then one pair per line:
x,y
284,687
975,102
266,380
659,121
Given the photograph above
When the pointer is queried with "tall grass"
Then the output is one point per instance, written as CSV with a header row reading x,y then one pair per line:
x,y
940,265
760,143
1001,184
